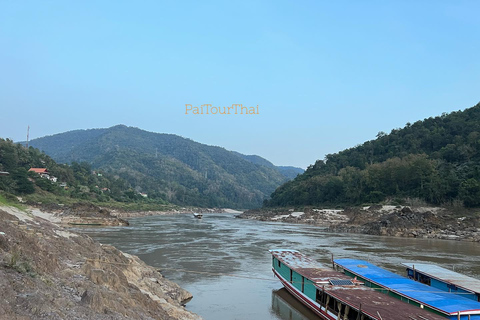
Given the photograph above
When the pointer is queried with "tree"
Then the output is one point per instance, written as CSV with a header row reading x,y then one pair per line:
x,y
470,192
22,184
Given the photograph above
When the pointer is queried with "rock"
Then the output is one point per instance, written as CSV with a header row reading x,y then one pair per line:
x,y
100,221
406,210
73,277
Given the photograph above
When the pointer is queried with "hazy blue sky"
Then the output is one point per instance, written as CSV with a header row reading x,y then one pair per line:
x,y
326,75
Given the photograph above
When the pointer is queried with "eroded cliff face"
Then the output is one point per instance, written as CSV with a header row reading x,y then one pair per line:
x,y
47,272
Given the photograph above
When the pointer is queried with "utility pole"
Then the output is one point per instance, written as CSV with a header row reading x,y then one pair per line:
x,y
28,133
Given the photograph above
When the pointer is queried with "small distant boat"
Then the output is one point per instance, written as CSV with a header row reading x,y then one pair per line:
x,y
198,215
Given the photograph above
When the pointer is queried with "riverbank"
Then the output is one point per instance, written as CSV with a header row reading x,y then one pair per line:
x,y
398,221
49,272
91,214
183,210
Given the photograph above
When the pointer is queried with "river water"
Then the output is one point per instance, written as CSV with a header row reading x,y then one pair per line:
x,y
226,265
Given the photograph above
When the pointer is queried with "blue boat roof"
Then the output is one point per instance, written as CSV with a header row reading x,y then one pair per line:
x,y
445,275
445,302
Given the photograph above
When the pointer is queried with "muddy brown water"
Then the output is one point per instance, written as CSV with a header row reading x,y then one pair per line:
x,y
226,265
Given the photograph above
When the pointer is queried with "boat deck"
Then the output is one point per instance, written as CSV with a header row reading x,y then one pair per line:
x,y
373,303
441,301
447,276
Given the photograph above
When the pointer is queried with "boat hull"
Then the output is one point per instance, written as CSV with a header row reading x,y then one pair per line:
x,y
315,307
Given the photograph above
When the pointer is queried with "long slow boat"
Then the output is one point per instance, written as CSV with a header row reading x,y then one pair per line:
x,y
444,279
333,295
443,303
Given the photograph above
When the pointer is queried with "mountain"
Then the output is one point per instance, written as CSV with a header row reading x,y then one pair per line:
x,y
167,166
436,160
287,171
290,172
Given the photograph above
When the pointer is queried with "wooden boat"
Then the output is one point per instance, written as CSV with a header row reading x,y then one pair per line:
x,y
333,295
449,305
198,215
444,279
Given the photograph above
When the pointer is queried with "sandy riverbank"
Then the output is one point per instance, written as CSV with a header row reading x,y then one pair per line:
x,y
49,272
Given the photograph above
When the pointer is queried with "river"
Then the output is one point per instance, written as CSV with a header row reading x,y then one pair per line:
x,y
226,265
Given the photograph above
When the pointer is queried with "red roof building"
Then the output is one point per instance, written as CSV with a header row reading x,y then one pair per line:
x,y
39,170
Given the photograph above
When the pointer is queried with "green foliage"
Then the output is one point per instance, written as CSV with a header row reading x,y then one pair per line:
x,y
436,160
9,199
22,184
45,184
77,181
470,192
24,266
375,196
13,259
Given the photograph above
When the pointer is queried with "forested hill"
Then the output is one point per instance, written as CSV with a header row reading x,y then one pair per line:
x,y
437,160
76,181
167,166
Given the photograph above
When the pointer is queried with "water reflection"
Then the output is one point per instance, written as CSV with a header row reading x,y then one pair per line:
x,y
285,306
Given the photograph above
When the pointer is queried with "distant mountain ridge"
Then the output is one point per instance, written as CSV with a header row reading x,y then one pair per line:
x,y
288,171
168,166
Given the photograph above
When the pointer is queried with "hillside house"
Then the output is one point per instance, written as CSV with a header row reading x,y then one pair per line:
x,y
43,172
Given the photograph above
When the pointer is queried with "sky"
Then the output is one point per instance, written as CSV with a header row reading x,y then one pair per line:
x,y
325,75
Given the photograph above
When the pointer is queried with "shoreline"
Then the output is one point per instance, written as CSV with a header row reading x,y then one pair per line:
x,y
86,213
50,272
137,214
395,221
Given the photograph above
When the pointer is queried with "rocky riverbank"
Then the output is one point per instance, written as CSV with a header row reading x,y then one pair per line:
x,y
90,214
190,210
49,272
399,221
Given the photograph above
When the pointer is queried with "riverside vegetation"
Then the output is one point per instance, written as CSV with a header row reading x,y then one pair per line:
x,y
76,182
436,160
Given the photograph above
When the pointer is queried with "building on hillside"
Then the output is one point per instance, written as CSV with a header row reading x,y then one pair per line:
x,y
43,172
